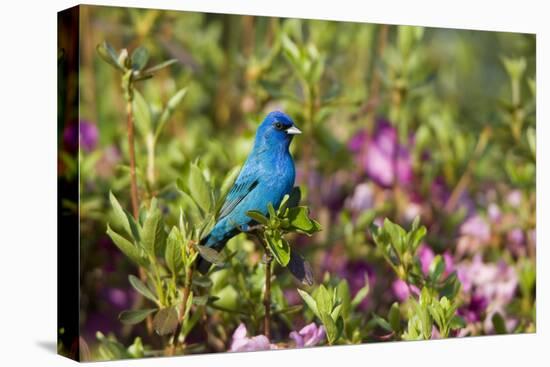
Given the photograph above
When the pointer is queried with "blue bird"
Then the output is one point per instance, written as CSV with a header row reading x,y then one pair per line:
x,y
266,177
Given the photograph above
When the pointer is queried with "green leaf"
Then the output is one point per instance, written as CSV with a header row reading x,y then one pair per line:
x,y
199,188
345,296
437,267
127,248
278,246
382,323
200,300
323,299
119,212
160,66
299,221
153,231
394,317
110,349
336,312
397,235
211,255
416,238
139,58
361,293
330,327
135,316
139,286
188,306
457,322
166,321
310,302
290,48
142,113
271,210
108,54
258,217
499,324
173,102
202,281
173,253
136,349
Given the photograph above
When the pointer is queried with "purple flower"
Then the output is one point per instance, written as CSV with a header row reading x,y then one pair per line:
x,y
110,158
426,256
119,298
516,241
474,232
476,227
473,310
241,343
362,198
402,291
309,336
292,296
449,263
496,283
380,154
88,136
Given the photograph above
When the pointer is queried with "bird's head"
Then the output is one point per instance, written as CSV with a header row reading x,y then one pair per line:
x,y
277,130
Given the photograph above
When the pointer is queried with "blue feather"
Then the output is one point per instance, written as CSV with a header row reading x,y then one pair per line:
x,y
266,177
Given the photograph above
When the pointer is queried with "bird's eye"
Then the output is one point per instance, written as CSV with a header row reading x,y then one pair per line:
x,y
278,126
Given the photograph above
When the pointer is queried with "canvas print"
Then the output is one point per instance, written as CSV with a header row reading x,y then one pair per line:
x,y
234,183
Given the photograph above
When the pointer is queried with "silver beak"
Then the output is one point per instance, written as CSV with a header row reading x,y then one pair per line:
x,y
293,130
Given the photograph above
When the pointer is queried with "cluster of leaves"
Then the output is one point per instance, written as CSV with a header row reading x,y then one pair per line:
x,y
337,310
131,66
438,299
289,217
166,255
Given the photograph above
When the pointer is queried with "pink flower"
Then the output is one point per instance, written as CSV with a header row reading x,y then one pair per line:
x,y
241,343
309,336
402,290
474,232
514,198
516,241
83,132
381,155
496,283
362,199
449,263
494,213
426,256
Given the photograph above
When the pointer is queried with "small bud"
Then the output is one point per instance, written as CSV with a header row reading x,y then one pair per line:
x,y
122,57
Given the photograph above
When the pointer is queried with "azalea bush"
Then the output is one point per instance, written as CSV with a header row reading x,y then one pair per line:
x,y
414,211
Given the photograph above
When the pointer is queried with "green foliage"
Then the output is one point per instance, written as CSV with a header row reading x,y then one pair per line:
x,y
399,247
333,306
437,302
282,221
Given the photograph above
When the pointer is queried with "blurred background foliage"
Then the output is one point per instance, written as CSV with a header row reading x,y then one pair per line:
x,y
398,122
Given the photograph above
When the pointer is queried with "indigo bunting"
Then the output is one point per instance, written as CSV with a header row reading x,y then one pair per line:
x,y
266,177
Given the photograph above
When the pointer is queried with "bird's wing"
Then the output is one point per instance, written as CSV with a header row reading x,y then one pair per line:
x,y
243,186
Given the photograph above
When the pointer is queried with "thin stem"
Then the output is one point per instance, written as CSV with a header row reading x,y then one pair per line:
x,y
267,296
133,182
150,142
182,309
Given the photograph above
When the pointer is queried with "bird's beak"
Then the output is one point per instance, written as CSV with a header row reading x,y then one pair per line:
x,y
293,130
